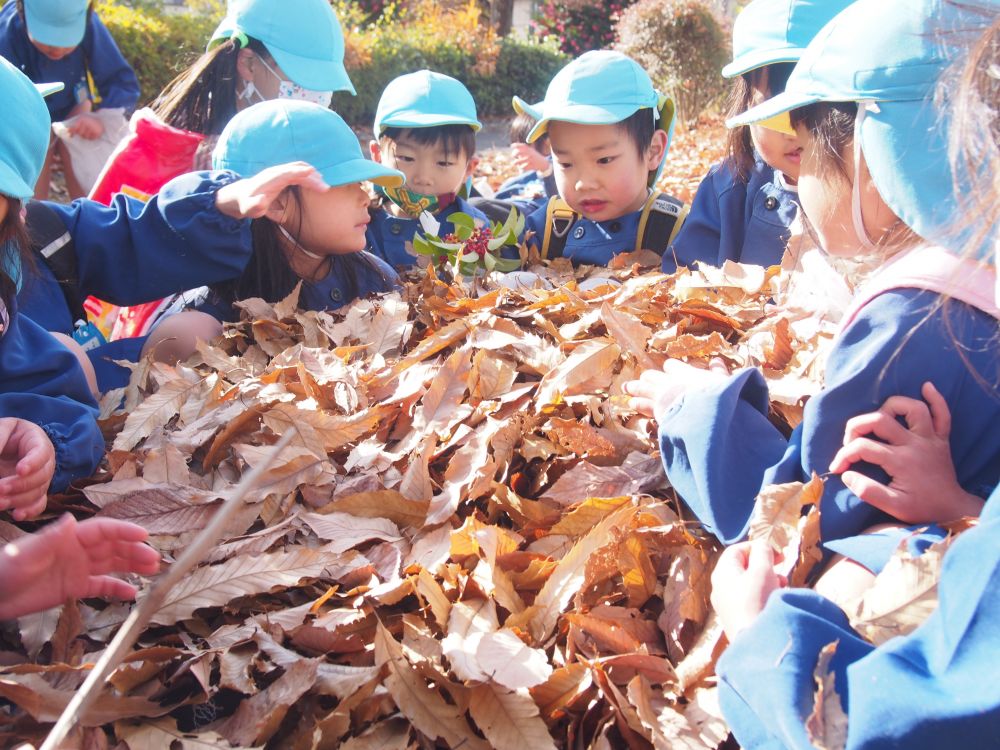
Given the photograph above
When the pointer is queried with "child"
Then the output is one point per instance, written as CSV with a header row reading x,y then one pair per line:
x,y
425,126
315,235
609,131
745,205
263,49
874,183
64,41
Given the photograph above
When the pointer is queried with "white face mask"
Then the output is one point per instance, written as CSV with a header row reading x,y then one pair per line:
x,y
291,90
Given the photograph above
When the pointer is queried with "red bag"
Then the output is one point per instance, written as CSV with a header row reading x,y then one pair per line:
x,y
150,156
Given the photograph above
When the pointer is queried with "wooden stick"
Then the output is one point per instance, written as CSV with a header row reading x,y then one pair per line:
x,y
141,614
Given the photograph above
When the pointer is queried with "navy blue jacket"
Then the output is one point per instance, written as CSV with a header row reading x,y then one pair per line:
x,y
41,382
589,242
719,448
389,235
114,78
747,222
933,688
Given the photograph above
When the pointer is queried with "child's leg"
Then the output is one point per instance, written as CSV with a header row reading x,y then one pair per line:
x,y
175,339
82,358
45,176
73,186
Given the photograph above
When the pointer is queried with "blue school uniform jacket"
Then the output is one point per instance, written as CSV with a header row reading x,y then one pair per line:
x,y
719,448
590,242
747,222
388,235
41,382
133,252
935,688
97,53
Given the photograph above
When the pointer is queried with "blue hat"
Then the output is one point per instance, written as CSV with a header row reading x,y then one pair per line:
x,y
303,37
282,130
425,99
774,31
57,23
889,55
22,147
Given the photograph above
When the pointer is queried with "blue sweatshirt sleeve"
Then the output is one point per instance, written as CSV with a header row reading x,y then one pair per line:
x,y
41,382
701,234
132,252
933,688
113,76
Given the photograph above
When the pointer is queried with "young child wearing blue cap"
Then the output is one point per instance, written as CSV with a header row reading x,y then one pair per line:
x,y
314,233
425,126
609,130
875,183
48,429
261,50
744,207
64,41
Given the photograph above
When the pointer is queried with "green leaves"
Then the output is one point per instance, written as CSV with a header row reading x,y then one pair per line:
x,y
471,248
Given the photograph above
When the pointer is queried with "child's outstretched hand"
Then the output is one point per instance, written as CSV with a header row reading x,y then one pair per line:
x,y
527,158
251,198
70,559
87,126
656,390
742,581
923,487
27,462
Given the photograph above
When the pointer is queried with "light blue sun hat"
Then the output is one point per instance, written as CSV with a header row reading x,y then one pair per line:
x,y
23,147
57,23
776,31
425,99
889,56
303,36
282,131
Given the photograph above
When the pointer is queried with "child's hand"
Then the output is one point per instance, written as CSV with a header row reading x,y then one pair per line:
x,y
742,581
923,488
67,560
251,198
656,390
87,126
527,158
27,462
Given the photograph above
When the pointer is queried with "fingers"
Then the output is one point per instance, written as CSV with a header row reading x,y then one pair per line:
x,y
864,449
7,426
109,587
872,492
940,413
914,411
32,509
879,423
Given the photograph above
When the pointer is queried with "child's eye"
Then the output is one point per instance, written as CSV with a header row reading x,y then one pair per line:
x,y
564,165
606,159
446,164
406,159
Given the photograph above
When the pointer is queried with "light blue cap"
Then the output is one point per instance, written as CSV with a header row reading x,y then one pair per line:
x,y
303,36
283,130
57,23
775,31
24,143
423,100
889,55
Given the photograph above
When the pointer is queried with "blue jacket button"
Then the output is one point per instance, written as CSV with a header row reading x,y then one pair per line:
x,y
396,228
578,233
616,226
770,203
336,295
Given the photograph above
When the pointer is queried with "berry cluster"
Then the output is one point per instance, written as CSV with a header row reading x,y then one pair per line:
x,y
477,243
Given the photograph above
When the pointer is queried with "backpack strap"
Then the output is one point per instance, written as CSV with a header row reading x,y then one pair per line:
x,y
559,217
53,244
661,219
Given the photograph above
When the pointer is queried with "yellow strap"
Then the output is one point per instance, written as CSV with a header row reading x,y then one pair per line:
x,y
647,209
556,209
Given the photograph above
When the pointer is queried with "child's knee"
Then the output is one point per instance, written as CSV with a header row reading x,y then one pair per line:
x,y
176,338
81,356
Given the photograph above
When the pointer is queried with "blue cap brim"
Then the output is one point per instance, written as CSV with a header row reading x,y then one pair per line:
x,y
760,58
45,89
582,114
13,185
310,73
426,120
783,102
523,108
361,170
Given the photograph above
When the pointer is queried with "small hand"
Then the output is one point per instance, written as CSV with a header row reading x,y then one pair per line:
x,y
923,487
656,390
252,197
742,581
87,126
27,463
70,559
526,158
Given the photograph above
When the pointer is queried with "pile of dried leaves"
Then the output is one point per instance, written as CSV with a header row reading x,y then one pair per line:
x,y
470,542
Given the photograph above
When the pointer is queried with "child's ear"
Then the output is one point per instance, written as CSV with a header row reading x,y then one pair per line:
x,y
375,150
245,60
656,151
471,169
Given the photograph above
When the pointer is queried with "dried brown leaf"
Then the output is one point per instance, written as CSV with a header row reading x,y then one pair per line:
x,y
510,720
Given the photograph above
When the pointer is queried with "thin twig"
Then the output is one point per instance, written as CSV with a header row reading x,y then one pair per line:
x,y
143,612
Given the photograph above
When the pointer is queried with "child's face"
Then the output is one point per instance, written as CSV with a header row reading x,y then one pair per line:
x,y
825,194
429,169
332,222
781,151
53,53
598,169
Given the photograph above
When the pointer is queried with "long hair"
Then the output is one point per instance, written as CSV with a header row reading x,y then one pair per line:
x,y
202,99
14,252
771,79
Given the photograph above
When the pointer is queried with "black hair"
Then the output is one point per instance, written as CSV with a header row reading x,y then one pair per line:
x,y
739,145
14,247
269,275
456,139
639,127
202,99
832,127
523,124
